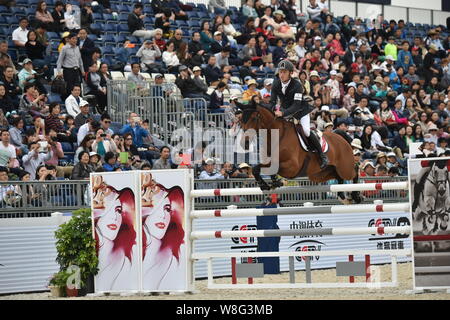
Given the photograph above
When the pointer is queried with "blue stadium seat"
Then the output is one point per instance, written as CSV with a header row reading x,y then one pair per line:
x,y
202,7
123,16
107,17
30,12
4,10
108,51
18,12
98,17
12,21
122,8
203,15
93,37
120,38
123,29
52,97
192,15
109,28
97,26
109,39
3,21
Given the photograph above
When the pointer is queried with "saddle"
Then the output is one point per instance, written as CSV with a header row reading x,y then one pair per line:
x,y
303,140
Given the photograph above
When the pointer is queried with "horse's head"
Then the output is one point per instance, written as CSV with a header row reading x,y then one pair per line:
x,y
256,116
439,174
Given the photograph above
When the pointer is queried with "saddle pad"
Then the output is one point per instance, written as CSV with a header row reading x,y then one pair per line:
x,y
323,142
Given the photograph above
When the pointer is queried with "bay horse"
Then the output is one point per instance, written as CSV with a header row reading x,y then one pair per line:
x,y
293,159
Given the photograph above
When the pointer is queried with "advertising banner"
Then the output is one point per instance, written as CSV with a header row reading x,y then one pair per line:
x,y
164,200
116,224
430,205
139,224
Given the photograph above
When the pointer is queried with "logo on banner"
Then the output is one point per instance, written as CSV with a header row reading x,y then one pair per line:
x,y
390,242
308,224
245,244
307,246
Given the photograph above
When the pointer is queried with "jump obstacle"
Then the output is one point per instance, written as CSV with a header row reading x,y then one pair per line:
x,y
359,268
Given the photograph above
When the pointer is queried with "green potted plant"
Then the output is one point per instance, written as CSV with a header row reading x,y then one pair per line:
x,y
75,246
57,283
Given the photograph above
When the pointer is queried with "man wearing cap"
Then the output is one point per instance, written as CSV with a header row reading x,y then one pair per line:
x,y
148,53
368,169
267,87
198,79
290,93
209,172
187,85
216,45
83,115
70,63
29,75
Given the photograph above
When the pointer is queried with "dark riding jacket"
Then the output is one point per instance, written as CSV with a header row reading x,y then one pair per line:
x,y
292,101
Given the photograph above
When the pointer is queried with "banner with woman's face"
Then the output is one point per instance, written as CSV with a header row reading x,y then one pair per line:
x,y
139,222
116,226
164,198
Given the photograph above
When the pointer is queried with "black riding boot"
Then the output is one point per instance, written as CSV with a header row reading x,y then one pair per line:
x,y
315,143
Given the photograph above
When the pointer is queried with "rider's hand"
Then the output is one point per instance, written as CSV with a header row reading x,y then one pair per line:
x,y
278,113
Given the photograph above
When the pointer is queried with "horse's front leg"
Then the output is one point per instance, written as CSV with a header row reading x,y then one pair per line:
x,y
276,182
257,174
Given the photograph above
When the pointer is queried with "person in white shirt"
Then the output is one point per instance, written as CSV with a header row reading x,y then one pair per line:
x,y
7,150
313,10
20,35
335,93
74,101
209,173
300,48
34,158
70,17
90,126
170,57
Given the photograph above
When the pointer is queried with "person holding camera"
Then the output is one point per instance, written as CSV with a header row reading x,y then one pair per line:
x,y
148,53
103,143
29,75
39,153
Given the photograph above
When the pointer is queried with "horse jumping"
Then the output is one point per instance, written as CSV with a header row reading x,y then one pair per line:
x,y
293,159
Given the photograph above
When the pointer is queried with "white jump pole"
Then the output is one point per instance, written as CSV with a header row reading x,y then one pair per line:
x,y
300,232
395,207
288,190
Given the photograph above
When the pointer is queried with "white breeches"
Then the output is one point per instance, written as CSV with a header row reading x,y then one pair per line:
x,y
305,121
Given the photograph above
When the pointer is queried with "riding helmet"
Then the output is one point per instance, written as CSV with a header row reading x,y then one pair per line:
x,y
286,65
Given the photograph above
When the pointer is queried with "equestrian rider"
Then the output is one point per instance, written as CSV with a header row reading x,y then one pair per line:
x,y
292,104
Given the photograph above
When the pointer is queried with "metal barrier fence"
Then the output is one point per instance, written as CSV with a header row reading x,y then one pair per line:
x,y
39,199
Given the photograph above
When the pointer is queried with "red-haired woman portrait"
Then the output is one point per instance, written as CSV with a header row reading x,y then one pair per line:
x,y
162,235
115,235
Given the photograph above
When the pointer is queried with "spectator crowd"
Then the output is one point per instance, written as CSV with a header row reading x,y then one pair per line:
x,y
384,84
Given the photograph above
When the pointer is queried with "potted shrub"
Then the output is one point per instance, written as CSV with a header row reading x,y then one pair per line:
x,y
75,246
57,284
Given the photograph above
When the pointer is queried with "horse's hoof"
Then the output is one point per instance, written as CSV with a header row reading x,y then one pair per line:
x,y
276,184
